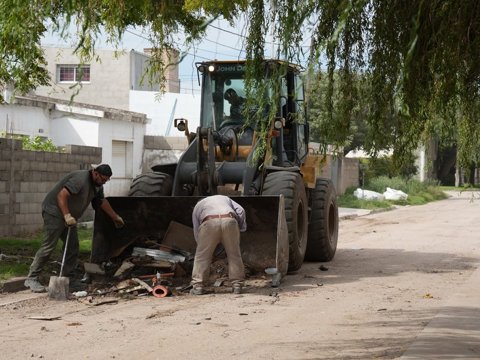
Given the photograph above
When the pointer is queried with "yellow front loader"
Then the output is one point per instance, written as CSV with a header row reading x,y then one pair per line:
x,y
292,214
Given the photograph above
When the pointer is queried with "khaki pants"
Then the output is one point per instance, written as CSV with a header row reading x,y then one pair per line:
x,y
210,234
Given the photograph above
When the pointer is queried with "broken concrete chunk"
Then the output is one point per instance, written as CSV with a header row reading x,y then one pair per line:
x,y
92,268
126,266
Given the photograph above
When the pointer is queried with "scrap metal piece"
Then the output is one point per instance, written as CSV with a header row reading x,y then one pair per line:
x,y
158,254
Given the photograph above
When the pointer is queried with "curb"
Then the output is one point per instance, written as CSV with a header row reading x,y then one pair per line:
x,y
14,285
20,298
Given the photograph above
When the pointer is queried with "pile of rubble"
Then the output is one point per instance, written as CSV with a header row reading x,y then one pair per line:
x,y
158,272
150,272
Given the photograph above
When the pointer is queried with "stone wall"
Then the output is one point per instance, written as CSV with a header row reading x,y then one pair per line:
x,y
350,174
161,150
344,172
27,176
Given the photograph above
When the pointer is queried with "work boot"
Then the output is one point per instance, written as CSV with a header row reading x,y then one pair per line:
x,y
34,285
237,289
197,290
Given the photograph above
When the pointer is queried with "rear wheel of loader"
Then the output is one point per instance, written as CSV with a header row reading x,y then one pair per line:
x,y
151,184
323,227
290,184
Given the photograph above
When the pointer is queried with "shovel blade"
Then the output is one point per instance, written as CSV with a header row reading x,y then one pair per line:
x,y
58,287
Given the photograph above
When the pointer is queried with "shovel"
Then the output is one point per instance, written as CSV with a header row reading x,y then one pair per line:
x,y
59,285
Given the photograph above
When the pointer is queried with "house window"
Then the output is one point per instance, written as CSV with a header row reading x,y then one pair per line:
x,y
73,73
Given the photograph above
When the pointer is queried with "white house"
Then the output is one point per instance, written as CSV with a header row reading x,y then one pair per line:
x,y
112,110
119,133
162,109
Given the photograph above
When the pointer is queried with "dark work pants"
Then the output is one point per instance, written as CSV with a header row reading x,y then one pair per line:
x,y
54,229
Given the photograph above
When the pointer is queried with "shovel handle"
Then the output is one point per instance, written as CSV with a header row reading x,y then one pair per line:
x,y
65,251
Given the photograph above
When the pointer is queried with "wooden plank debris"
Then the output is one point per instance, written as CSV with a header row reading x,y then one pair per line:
x,y
180,236
45,318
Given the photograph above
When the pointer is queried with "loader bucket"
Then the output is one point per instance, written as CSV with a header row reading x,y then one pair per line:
x,y
264,245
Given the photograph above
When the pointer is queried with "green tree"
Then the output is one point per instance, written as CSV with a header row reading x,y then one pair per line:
x,y
326,108
37,143
421,57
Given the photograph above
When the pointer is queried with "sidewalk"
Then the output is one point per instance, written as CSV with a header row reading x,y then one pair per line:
x,y
347,213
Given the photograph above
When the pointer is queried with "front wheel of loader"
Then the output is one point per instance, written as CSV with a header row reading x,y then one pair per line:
x,y
290,184
151,184
323,227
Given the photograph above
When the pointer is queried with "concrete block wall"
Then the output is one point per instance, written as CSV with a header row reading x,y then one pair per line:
x,y
165,142
344,172
160,150
27,176
350,174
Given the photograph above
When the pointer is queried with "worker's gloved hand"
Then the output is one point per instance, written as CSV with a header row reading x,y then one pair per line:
x,y
118,221
70,220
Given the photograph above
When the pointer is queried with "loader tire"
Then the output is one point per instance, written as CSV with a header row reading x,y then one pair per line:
x,y
323,227
291,185
151,184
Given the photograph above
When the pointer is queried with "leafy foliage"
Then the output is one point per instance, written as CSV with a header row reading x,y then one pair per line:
x,y
37,143
418,60
325,112
419,63
386,166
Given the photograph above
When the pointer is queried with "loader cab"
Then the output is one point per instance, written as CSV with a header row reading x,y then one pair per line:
x,y
223,94
223,102
295,131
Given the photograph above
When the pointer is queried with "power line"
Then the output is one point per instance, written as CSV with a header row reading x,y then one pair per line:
x,y
227,31
220,44
196,48
195,55
184,52
226,46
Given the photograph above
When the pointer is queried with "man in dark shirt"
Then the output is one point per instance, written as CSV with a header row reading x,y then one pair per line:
x,y
218,220
61,208
237,104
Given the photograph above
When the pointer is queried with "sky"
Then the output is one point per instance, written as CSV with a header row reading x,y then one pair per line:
x,y
222,42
